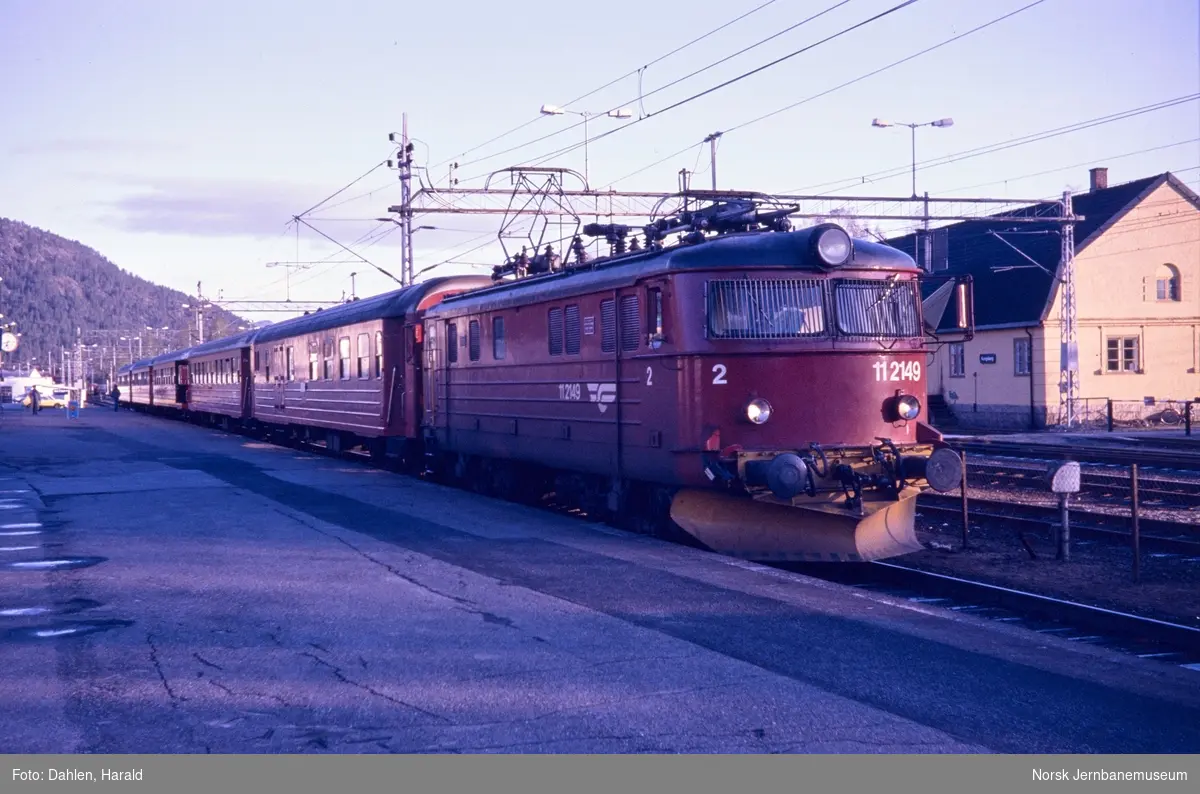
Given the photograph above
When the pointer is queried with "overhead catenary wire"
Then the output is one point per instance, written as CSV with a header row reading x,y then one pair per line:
x,y
839,87
612,82
1010,143
694,97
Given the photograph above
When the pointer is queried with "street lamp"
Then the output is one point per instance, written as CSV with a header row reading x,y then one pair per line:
x,y
913,127
398,223
555,110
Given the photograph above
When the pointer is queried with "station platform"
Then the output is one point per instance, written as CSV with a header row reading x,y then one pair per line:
x,y
171,589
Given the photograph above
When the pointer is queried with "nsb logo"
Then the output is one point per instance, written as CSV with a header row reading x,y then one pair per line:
x,y
603,394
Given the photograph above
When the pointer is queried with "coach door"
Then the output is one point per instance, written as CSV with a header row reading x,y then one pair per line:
x,y
434,375
182,381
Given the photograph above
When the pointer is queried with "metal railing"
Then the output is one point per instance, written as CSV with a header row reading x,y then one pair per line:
x,y
1103,413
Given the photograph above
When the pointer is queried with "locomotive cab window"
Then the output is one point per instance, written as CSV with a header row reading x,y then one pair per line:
x,y
876,309
655,311
762,309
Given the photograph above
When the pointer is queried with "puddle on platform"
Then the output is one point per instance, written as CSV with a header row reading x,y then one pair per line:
x,y
61,564
71,607
11,549
65,629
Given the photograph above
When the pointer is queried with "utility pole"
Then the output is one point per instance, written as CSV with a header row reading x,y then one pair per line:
x,y
711,140
352,291
405,165
1068,383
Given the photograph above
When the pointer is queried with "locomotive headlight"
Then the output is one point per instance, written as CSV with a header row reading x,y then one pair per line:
x,y
908,407
833,246
758,411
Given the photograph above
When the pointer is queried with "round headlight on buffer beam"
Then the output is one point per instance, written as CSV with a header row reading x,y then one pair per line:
x,y
908,407
758,411
834,245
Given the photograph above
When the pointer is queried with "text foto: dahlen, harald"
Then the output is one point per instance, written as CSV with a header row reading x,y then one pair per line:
x,y
77,774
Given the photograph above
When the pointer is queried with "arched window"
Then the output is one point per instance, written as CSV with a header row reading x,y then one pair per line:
x,y
1167,281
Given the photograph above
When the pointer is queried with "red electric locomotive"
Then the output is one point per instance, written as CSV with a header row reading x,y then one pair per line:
x,y
760,389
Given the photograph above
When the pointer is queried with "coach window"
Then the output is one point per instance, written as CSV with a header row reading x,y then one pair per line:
x,y
379,354
364,355
452,342
314,365
473,340
344,357
608,326
498,348
327,359
571,329
291,366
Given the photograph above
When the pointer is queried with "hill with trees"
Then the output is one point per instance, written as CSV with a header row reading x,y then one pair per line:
x,y
53,286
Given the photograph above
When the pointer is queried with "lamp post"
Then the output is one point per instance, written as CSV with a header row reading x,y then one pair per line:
x,y
555,110
913,127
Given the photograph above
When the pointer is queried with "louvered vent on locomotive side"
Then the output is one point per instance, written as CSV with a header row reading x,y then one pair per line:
x,y
608,326
555,320
631,322
572,329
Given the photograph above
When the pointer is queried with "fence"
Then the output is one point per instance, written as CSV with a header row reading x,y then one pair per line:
x,y
1103,413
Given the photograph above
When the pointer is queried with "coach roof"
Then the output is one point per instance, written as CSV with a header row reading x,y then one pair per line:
x,y
398,303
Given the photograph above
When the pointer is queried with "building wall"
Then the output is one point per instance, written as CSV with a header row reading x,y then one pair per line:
x,y
1117,299
992,395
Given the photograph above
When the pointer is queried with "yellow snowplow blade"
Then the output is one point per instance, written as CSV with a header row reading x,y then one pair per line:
x,y
808,530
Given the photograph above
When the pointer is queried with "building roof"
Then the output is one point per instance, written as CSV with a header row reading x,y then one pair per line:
x,y
1009,289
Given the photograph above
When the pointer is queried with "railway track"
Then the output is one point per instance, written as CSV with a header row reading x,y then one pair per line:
x,y
1147,638
1109,486
1186,459
1167,536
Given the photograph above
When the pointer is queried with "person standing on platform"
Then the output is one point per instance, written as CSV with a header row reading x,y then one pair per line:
x,y
116,395
35,400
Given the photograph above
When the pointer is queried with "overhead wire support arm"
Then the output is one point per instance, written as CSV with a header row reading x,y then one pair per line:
x,y
298,219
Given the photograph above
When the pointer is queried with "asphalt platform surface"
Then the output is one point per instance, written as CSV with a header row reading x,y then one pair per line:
x,y
171,589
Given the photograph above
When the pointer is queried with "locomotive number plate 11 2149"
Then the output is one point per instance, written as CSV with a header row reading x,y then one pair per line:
x,y
897,370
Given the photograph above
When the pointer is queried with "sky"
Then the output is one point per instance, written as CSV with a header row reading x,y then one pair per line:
x,y
179,140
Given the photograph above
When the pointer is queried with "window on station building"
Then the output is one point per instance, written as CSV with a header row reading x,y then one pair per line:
x,y
1121,354
1167,283
1021,356
958,360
